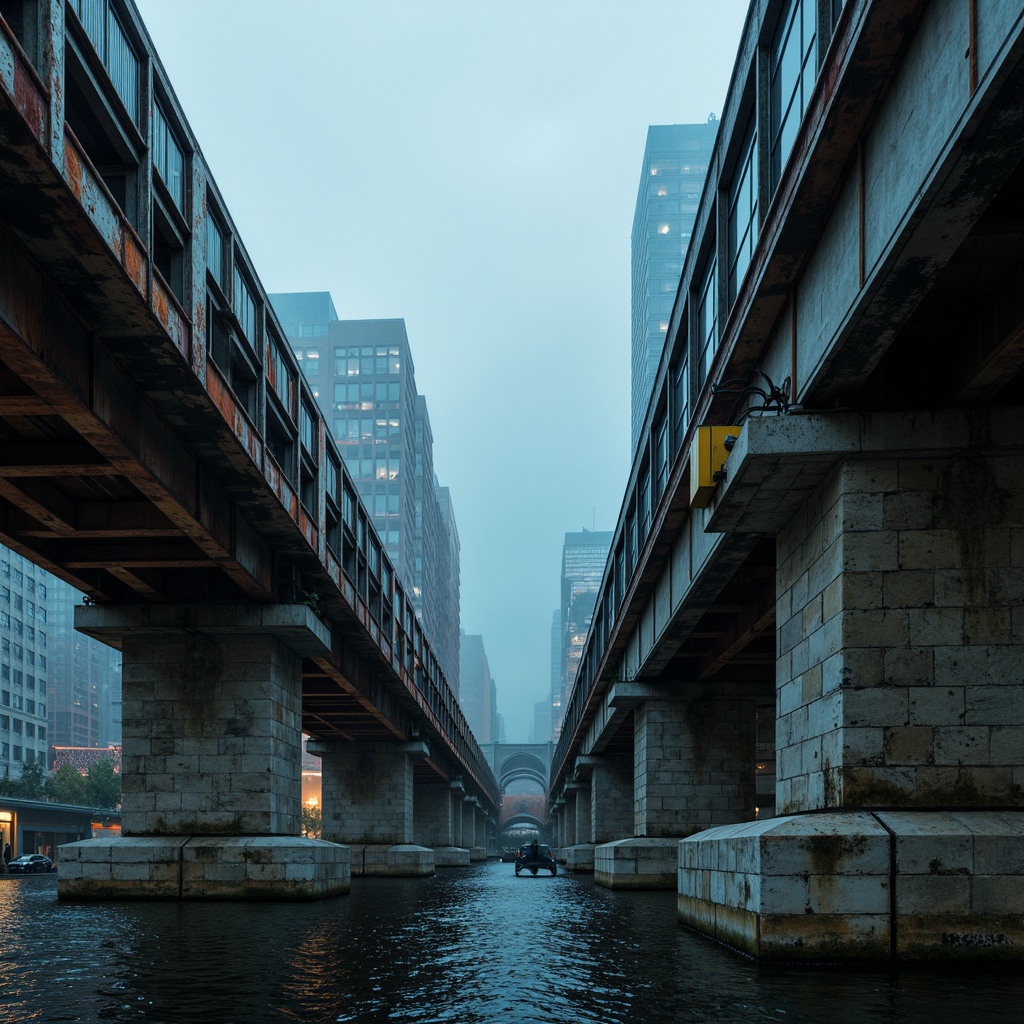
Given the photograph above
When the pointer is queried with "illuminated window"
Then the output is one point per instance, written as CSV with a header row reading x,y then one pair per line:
x,y
662,229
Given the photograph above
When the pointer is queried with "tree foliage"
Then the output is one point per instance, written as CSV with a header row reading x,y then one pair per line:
x,y
31,785
101,787
312,821
103,784
67,786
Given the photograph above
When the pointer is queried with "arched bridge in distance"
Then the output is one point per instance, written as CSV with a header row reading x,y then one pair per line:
x,y
523,773
161,451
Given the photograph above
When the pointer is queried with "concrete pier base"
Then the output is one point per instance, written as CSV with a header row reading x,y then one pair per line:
x,y
203,867
848,885
477,854
450,857
579,858
639,863
401,860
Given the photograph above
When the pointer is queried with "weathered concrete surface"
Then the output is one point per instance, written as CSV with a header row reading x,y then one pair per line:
x,y
639,863
450,857
400,860
580,858
851,885
202,867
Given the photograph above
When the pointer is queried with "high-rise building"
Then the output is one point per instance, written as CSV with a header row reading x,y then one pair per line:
x,y
84,687
362,374
23,663
676,161
454,592
478,691
584,556
554,701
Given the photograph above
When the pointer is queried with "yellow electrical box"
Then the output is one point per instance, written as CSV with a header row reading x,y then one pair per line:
x,y
710,449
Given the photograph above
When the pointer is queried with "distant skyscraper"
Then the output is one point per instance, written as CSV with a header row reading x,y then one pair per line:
x,y
57,687
477,689
362,374
23,663
675,164
83,707
453,594
583,562
555,697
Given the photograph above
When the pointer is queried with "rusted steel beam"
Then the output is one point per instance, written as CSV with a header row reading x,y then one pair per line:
x,y
135,583
46,459
43,504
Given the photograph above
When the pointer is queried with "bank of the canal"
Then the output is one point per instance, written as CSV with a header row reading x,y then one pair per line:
x,y
471,945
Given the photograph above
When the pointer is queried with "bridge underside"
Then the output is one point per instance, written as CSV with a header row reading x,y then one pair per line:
x,y
152,455
856,577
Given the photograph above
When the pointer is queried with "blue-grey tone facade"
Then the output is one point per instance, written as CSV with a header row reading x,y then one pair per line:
x,y
584,555
362,375
675,164
24,663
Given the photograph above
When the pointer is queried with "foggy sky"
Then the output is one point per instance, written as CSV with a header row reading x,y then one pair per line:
x,y
470,166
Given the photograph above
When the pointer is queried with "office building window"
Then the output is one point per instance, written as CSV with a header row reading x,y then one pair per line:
x,y
707,321
793,67
244,306
168,158
660,458
214,247
743,226
112,45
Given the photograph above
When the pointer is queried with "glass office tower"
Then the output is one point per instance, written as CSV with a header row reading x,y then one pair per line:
x,y
675,164
362,374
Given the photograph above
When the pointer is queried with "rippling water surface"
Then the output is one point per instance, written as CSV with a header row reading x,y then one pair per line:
x,y
472,945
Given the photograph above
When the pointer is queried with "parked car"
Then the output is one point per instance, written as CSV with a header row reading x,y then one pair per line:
x,y
532,858
30,864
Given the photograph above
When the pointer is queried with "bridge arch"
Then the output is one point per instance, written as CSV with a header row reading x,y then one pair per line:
x,y
523,765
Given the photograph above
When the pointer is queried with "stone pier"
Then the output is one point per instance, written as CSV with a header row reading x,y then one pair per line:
x,y
367,801
478,851
211,735
433,825
579,856
469,822
900,707
693,766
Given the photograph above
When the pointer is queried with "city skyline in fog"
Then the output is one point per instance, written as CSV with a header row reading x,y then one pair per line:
x,y
472,169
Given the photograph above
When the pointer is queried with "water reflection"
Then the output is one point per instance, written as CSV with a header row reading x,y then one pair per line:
x,y
475,945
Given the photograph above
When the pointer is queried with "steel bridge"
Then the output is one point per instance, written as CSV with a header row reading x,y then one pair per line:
x,y
809,584
159,448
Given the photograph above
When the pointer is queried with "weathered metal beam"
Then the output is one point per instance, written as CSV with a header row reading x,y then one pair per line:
x,y
50,459
756,619
992,344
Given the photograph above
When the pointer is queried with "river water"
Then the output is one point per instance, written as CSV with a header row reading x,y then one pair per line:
x,y
471,945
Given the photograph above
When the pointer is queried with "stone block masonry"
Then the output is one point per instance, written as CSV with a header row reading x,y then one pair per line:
x,y
211,724
901,682
211,730
693,765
